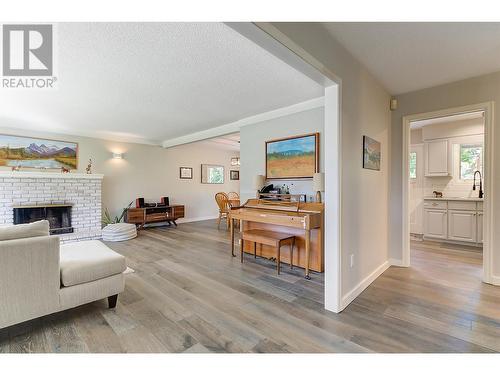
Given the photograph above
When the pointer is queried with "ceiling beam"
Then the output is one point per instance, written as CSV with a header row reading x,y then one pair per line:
x,y
235,127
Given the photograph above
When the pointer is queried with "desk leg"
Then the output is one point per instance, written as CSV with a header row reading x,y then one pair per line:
x,y
308,248
231,224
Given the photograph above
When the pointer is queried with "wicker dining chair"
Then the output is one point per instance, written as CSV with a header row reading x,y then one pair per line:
x,y
224,208
233,195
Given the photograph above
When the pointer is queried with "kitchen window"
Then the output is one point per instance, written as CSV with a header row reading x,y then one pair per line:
x,y
471,160
413,165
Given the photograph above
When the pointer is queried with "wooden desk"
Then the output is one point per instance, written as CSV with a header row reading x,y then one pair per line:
x,y
234,202
305,223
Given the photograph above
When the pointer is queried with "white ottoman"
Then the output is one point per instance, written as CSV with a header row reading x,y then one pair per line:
x,y
119,232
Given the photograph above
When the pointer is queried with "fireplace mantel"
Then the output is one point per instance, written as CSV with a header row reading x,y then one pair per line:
x,y
21,174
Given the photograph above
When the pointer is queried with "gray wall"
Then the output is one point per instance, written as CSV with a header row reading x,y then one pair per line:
x,y
150,172
253,138
471,91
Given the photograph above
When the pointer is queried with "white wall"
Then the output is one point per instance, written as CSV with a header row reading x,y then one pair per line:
x,y
470,91
365,111
252,148
151,172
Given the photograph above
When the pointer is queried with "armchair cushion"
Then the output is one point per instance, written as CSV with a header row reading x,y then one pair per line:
x,y
14,232
86,261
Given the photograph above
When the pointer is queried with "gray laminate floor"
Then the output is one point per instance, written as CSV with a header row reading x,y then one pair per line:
x,y
189,295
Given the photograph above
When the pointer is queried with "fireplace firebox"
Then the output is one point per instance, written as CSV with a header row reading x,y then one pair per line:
x,y
58,216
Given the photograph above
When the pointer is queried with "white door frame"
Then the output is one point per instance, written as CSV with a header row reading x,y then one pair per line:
x,y
420,177
487,107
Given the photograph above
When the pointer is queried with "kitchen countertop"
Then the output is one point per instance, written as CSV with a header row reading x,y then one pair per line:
x,y
471,199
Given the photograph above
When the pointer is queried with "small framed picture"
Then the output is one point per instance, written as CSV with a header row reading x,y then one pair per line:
x,y
234,175
185,173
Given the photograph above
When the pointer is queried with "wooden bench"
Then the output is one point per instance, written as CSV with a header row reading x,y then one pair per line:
x,y
270,238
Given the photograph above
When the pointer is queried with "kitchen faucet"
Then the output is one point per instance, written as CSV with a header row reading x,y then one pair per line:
x,y
480,184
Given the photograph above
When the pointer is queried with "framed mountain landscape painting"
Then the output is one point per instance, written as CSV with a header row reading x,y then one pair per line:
x,y
293,157
27,152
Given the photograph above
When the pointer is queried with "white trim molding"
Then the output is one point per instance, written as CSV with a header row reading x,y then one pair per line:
x,y
234,127
358,289
488,109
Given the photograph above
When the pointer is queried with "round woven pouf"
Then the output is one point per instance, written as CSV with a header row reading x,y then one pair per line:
x,y
119,232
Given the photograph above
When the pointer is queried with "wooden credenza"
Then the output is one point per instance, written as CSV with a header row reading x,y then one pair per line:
x,y
146,215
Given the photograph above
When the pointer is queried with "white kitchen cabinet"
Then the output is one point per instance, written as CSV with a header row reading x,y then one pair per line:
x,y
435,223
437,155
462,225
479,227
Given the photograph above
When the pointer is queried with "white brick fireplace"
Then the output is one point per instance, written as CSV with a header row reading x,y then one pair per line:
x,y
81,191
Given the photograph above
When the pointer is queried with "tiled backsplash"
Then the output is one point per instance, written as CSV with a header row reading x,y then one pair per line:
x,y
451,187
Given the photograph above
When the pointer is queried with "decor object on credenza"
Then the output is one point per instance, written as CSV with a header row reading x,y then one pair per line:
x,y
89,167
258,182
212,174
234,175
185,173
106,218
28,152
318,185
64,170
16,168
235,162
292,157
371,153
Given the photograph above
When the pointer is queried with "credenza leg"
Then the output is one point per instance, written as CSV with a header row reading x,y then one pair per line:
x,y
242,249
255,250
232,237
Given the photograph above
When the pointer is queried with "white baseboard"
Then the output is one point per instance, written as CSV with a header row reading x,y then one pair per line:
x,y
396,262
495,280
200,218
356,291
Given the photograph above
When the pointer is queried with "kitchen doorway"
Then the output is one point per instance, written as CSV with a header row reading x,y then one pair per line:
x,y
441,165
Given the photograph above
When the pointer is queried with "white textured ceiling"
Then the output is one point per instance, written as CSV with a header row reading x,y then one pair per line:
x,y
150,82
410,56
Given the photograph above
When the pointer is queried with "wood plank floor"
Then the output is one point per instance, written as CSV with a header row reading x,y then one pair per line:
x,y
188,295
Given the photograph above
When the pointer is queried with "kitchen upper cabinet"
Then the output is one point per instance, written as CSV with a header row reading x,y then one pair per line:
x,y
479,219
437,155
435,223
462,225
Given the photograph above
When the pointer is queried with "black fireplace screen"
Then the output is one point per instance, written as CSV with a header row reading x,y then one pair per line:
x,y
58,216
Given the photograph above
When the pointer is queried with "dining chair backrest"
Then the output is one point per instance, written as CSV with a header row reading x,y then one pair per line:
x,y
233,195
222,201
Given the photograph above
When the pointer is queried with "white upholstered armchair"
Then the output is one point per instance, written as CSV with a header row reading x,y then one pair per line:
x,y
38,276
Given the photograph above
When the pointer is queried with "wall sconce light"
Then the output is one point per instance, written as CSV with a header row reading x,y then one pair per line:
x,y
117,155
